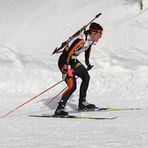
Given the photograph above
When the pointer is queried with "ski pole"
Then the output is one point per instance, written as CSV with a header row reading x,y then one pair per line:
x,y
59,93
31,99
56,96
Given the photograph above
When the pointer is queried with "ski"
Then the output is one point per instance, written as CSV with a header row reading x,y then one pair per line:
x,y
74,117
122,109
108,109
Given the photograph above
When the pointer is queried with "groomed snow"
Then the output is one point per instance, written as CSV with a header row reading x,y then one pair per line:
x,y
30,31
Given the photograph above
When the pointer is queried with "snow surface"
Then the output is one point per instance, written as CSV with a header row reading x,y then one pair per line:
x,y
29,32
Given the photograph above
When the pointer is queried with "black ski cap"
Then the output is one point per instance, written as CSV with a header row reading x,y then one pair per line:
x,y
94,27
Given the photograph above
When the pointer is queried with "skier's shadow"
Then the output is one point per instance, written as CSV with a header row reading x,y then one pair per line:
x,y
53,104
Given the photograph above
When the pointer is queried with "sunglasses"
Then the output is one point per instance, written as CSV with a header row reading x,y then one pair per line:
x,y
97,33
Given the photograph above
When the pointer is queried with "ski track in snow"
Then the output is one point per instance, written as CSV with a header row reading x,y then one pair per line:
x,y
30,31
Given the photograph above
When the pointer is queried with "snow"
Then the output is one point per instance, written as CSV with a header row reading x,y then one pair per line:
x,y
30,31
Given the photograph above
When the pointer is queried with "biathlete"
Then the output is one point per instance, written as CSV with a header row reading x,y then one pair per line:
x,y
71,67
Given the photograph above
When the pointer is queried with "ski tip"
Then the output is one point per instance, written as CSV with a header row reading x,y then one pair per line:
x,y
107,118
115,117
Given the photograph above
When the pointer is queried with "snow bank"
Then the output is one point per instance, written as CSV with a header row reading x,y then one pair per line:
x,y
31,30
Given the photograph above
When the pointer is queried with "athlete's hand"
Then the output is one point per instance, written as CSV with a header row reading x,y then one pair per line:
x,y
67,71
64,68
89,67
64,76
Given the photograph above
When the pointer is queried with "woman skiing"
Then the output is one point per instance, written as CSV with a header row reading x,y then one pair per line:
x,y
71,67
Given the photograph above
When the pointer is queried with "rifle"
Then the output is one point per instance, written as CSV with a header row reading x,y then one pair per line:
x,y
65,43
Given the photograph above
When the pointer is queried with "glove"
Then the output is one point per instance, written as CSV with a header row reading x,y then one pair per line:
x,y
89,67
64,76
64,69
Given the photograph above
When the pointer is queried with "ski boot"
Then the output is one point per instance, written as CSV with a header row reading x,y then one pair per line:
x,y
60,110
84,105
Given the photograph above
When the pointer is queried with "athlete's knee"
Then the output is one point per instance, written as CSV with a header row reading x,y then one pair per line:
x,y
86,77
71,85
72,88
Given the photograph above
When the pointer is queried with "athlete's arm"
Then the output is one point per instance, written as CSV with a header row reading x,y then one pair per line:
x,y
87,55
76,44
